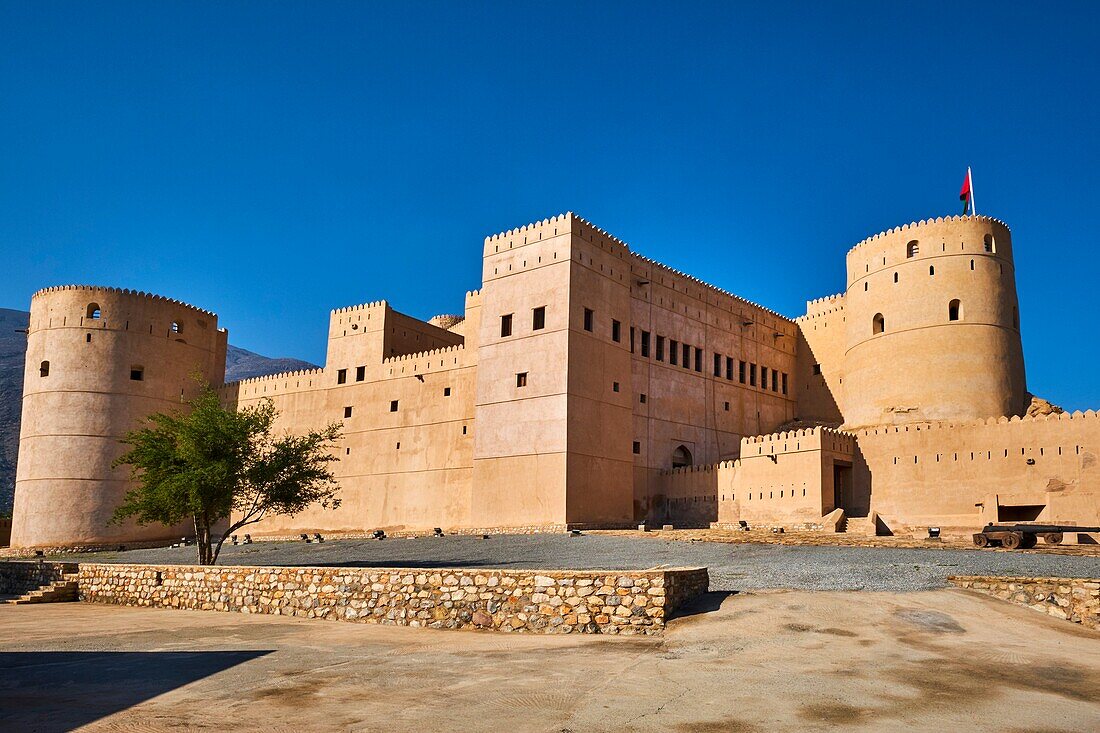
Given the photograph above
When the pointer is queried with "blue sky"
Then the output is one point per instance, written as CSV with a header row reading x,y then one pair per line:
x,y
271,161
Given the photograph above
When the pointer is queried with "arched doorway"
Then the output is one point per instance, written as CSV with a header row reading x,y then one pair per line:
x,y
681,457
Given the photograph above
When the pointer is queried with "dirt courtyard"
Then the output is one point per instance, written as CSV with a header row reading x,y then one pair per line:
x,y
773,660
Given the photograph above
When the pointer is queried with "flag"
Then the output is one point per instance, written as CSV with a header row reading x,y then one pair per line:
x,y
966,195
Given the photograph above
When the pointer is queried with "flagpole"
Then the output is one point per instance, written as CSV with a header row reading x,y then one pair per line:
x,y
970,179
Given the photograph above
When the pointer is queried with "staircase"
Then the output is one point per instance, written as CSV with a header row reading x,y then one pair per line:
x,y
59,591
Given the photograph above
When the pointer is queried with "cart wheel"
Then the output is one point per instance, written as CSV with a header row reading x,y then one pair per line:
x,y
1029,541
1012,540
1053,538
981,540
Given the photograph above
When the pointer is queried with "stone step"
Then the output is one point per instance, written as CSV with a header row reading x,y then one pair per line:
x,y
59,591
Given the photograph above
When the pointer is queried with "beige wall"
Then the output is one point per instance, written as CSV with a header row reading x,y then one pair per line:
x,y
66,489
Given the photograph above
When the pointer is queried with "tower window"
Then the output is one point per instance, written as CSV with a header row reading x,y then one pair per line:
x,y
446,391
341,376
538,318
614,386
784,383
632,339
506,325
347,412
752,375
729,368
990,245
717,365
895,277
393,405
698,359
912,249
137,373
588,315
87,338
931,270
687,357
637,448
673,351
817,369
971,264
642,398
878,325
93,311
645,343
727,407
616,331
521,379
741,372
360,373
954,310
44,369
177,327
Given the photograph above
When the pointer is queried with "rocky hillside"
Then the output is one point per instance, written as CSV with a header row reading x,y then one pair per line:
x,y
239,364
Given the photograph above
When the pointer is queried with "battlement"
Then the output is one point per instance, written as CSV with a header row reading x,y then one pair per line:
x,y
914,225
1087,415
361,307
422,354
275,377
821,307
126,292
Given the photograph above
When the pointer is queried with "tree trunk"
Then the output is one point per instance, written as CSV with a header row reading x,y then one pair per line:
x,y
202,538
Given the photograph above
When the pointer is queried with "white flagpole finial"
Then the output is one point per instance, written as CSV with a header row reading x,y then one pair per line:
x,y
970,178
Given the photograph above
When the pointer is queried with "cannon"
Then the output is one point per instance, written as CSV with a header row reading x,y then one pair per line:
x,y
1015,536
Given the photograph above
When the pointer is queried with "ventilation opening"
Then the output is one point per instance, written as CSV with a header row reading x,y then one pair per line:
x,y
878,325
954,310
681,457
137,373
44,369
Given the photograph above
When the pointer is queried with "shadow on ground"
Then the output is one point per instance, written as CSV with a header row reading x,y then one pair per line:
x,y
49,692
705,603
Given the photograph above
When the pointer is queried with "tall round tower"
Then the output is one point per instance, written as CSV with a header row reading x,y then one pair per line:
x,y
99,360
933,326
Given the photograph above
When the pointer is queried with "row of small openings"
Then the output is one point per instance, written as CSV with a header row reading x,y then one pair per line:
x,y
931,273
771,495
538,321
954,313
746,371
399,442
137,372
989,454
94,312
496,270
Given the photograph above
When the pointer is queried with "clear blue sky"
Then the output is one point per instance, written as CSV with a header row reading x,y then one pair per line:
x,y
271,161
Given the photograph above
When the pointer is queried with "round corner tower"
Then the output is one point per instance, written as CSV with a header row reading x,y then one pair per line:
x,y
933,325
100,360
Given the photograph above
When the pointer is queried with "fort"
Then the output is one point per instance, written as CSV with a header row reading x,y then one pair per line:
x,y
587,386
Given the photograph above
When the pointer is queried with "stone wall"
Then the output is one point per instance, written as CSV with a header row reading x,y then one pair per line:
x,y
17,578
1072,599
529,601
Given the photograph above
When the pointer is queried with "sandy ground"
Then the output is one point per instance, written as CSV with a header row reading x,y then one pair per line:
x,y
748,662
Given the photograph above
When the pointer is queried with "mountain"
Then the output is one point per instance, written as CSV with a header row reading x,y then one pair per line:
x,y
239,364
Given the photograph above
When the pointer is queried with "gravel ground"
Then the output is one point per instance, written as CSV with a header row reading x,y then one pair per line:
x,y
732,567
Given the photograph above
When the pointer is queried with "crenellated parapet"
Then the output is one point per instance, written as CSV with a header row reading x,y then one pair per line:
x,y
1088,419
912,226
276,377
123,291
822,308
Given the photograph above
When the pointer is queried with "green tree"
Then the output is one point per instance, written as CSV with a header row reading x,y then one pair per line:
x,y
213,464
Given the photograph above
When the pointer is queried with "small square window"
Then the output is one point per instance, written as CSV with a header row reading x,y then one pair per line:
x,y
137,374
347,412
817,369
538,318
637,447
360,373
506,325
614,386
588,316
642,398
521,379
446,391
341,376
393,405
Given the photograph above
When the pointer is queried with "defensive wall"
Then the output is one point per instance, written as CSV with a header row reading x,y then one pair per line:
x,y
1070,599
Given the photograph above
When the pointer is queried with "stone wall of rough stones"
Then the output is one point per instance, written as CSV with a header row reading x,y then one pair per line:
x,y
17,578
532,601
1072,599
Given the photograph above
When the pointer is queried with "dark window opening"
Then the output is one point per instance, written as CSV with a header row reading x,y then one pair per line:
x,y
642,398
616,331
729,368
686,364
763,377
895,277
632,339
637,448
784,383
931,270
94,311
645,343
446,391
990,245
660,348
506,325
521,379
817,369
912,249
878,324
698,360
137,373
177,327
717,365
614,386
752,375
954,310
727,407
44,369
341,376
681,457
360,373
538,318
87,338
347,412
673,351
588,314
741,372
775,381
463,429
393,405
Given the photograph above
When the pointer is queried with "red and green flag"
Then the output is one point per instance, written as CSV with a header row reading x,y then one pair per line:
x,y
966,195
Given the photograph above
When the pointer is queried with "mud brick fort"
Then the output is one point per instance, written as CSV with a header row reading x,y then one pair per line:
x,y
587,386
